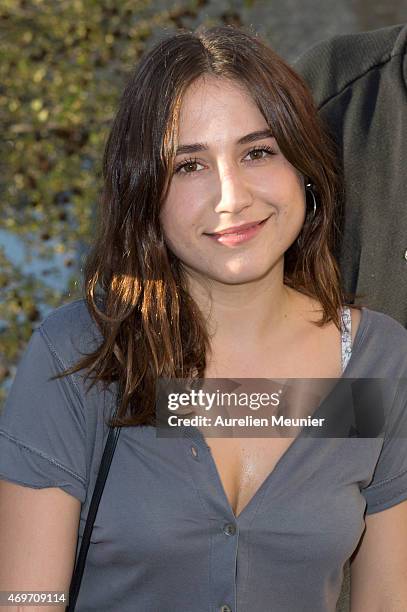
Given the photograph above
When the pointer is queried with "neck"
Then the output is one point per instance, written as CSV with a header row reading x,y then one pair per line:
x,y
243,314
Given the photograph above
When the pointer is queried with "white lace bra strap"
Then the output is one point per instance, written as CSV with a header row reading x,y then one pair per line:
x,y
346,336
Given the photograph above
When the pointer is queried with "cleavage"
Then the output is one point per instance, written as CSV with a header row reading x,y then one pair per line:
x,y
244,464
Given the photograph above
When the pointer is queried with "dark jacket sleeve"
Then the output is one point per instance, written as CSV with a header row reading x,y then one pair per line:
x,y
359,83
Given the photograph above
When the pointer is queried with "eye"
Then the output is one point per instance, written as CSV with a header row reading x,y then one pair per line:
x,y
260,153
189,166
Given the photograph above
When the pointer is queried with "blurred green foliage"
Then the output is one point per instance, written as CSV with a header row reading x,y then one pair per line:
x,y
62,66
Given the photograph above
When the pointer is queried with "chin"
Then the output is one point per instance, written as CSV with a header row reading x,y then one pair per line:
x,y
240,277
249,272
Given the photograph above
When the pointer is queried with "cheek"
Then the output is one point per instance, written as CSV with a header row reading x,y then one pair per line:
x,y
292,214
282,183
177,223
294,191
292,208
183,212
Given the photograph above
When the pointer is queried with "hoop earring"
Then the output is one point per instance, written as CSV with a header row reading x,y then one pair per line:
x,y
310,188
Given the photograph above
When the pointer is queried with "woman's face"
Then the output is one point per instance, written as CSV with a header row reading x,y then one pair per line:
x,y
229,171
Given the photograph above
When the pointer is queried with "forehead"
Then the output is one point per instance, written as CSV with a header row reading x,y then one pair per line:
x,y
215,105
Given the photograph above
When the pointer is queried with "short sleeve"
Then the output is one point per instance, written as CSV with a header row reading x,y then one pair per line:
x,y
388,486
42,426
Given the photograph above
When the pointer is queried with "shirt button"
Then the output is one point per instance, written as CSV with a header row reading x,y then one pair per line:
x,y
225,608
229,529
194,451
405,254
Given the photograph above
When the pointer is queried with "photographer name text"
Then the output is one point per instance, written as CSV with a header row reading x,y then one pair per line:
x,y
246,421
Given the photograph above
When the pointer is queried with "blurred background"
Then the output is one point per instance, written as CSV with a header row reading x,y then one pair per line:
x,y
63,65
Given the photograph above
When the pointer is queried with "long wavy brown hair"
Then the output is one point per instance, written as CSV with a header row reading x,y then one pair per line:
x,y
134,286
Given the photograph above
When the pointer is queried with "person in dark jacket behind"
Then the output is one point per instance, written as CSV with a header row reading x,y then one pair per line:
x,y
359,82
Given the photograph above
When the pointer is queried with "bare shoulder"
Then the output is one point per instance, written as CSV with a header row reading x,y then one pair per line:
x,y
311,310
302,306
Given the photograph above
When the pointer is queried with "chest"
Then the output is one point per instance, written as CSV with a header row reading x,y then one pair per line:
x,y
162,492
244,464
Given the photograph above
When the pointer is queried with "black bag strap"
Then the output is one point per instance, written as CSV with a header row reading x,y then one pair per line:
x,y
107,456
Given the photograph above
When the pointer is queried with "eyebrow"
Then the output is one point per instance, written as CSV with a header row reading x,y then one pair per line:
x,y
202,146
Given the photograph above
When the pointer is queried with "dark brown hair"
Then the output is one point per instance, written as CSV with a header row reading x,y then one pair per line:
x,y
134,286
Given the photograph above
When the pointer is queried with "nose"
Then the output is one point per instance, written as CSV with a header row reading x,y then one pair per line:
x,y
235,193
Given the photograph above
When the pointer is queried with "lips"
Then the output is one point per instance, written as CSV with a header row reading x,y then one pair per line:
x,y
237,229
234,237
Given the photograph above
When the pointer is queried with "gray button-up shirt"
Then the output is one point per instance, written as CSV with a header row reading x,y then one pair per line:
x,y
165,537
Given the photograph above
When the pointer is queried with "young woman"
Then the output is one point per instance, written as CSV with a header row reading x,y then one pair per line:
x,y
212,260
